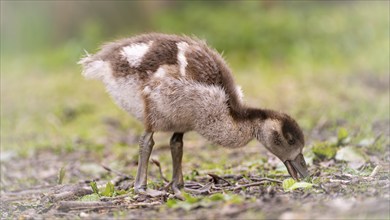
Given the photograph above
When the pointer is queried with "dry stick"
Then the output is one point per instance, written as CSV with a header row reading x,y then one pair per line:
x,y
117,172
143,204
232,176
193,185
266,179
166,187
79,205
68,205
277,175
202,191
261,181
375,171
253,184
216,178
71,194
106,198
70,191
157,163
27,192
339,181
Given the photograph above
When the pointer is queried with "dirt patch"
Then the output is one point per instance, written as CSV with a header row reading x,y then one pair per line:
x,y
30,189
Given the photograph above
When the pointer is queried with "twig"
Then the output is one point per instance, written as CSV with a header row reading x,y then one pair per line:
x,y
72,193
275,175
205,190
106,198
339,181
69,205
119,179
216,178
232,176
166,187
23,193
375,171
193,185
157,163
266,179
143,204
117,172
247,185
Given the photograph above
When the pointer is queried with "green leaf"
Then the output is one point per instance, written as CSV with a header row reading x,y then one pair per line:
x,y
291,184
171,203
298,185
90,197
350,154
94,187
217,197
342,134
366,142
287,183
109,190
186,206
120,192
189,199
234,199
325,150
342,137
61,175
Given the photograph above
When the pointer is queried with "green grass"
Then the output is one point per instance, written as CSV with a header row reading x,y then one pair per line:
x,y
316,63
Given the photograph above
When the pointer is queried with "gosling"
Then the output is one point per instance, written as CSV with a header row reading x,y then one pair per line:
x,y
178,84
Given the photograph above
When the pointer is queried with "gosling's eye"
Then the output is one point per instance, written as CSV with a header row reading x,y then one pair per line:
x,y
291,141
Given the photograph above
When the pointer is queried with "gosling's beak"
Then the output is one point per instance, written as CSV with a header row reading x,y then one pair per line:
x,y
298,165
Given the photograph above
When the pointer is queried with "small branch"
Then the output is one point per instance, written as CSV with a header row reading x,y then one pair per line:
x,y
339,181
193,185
28,192
119,179
274,175
166,187
76,205
143,204
205,190
233,176
247,185
106,199
216,178
375,171
260,182
157,163
266,179
71,194
117,172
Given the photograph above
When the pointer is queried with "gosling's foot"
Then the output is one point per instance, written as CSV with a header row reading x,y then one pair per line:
x,y
150,192
176,191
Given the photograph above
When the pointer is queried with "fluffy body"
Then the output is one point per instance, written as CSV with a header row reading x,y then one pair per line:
x,y
173,97
178,84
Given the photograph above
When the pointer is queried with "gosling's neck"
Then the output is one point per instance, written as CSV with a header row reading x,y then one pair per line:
x,y
235,130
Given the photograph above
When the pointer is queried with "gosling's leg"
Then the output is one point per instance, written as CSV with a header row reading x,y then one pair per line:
x,y
176,144
145,149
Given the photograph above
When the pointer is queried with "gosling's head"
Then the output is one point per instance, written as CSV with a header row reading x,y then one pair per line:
x,y
283,137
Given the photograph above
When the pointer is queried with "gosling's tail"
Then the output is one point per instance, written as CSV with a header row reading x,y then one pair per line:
x,y
94,68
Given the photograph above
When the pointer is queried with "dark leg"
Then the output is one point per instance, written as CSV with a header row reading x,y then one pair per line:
x,y
177,155
145,149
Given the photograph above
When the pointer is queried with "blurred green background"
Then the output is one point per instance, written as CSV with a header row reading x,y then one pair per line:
x,y
319,61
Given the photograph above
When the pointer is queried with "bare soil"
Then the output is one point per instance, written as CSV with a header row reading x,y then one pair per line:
x,y
30,189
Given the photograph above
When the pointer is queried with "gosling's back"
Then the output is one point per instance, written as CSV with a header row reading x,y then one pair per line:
x,y
169,82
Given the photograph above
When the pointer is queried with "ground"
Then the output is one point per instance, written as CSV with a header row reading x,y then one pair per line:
x,y
68,152
70,140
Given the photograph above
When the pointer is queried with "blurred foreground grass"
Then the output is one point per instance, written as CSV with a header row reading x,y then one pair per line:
x,y
317,62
